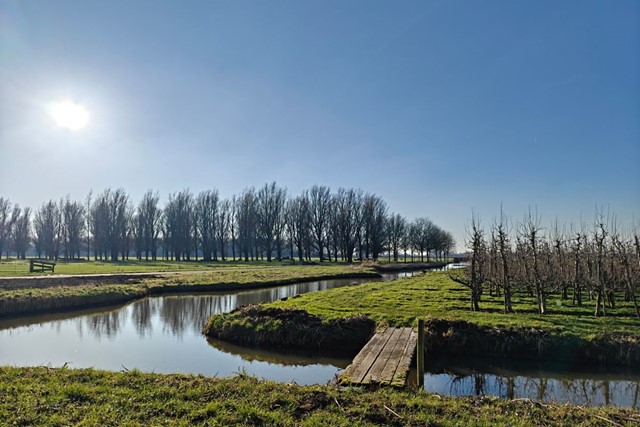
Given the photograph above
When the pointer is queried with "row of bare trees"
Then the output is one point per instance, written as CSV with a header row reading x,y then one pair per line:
x,y
255,224
14,228
600,264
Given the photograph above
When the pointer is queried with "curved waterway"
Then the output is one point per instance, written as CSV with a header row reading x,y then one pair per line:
x,y
163,334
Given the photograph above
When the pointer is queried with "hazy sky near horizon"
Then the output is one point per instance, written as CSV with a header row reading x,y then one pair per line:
x,y
440,107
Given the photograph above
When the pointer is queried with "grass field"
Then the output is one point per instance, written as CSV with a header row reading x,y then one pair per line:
x,y
62,397
435,295
21,296
13,267
568,335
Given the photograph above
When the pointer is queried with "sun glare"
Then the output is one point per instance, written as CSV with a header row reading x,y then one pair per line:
x,y
69,115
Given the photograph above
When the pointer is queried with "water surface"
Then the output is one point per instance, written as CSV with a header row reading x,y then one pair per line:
x,y
514,380
164,334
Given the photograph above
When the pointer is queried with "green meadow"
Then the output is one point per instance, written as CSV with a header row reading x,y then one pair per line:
x,y
55,294
435,295
15,267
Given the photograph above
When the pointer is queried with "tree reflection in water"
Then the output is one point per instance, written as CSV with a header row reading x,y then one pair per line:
x,y
611,389
178,314
106,325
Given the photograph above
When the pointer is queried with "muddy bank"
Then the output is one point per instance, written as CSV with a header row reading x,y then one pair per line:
x,y
407,266
256,325
59,295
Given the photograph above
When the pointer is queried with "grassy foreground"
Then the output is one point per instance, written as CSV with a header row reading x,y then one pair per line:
x,y
19,297
62,397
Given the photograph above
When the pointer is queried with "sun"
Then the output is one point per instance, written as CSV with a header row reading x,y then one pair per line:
x,y
69,115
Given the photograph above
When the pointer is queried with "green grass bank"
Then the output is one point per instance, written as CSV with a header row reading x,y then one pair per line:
x,y
17,267
85,397
272,327
567,334
51,294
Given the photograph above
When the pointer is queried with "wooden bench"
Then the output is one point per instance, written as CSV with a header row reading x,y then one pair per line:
x,y
41,265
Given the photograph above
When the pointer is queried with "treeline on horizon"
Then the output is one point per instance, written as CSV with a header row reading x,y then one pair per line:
x,y
572,262
255,224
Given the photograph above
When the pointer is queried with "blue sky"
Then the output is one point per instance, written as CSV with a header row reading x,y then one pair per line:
x,y
440,107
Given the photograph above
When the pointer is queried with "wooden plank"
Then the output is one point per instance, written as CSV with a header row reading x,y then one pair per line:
x,y
400,376
369,359
384,360
389,370
373,376
361,364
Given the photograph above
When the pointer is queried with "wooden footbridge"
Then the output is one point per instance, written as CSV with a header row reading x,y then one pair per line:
x,y
386,358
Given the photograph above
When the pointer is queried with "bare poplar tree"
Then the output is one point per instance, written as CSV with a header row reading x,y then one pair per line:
x,y
333,229
280,225
88,220
445,243
396,228
73,221
206,214
118,221
111,219
22,233
319,197
178,214
421,233
48,227
100,224
246,222
151,223
374,212
137,230
270,209
126,231
406,242
233,225
7,219
349,219
225,215
298,224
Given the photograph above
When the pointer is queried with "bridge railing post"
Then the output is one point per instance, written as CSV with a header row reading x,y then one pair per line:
x,y
420,354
